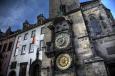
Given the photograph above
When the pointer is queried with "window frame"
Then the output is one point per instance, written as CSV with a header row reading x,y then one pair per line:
x,y
33,32
25,36
30,48
24,46
18,39
15,53
42,45
93,30
42,28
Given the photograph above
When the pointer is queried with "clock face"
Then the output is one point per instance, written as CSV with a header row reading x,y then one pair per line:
x,y
62,40
63,61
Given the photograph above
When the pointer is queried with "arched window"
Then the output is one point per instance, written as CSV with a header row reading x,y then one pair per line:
x,y
95,26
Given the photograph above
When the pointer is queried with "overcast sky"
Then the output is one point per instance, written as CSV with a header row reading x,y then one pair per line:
x,y
14,12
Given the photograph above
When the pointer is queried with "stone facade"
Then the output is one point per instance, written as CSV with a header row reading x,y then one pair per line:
x,y
92,24
6,46
78,41
57,6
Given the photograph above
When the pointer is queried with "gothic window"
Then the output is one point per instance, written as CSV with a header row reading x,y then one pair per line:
x,y
95,26
23,50
23,67
26,36
31,50
10,46
33,33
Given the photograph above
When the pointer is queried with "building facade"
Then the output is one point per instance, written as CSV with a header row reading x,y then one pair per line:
x,y
6,46
24,51
59,7
87,49
79,40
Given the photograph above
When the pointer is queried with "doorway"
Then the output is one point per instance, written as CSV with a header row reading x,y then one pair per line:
x,y
12,73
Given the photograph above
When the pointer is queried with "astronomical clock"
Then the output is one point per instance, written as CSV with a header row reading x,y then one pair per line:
x,y
62,41
64,57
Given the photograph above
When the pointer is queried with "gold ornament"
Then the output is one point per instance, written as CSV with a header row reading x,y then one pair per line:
x,y
63,61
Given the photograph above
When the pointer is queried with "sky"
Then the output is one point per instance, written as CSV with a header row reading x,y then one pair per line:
x,y
14,12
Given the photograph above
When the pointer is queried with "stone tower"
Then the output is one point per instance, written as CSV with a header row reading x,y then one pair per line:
x,y
58,7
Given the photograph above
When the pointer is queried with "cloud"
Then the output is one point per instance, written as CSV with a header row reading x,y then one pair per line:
x,y
14,12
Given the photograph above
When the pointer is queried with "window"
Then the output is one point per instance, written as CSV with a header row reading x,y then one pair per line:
x,y
4,47
42,44
17,46
33,33
31,50
10,46
23,67
95,26
43,30
23,50
13,65
111,50
16,52
26,36
101,17
104,25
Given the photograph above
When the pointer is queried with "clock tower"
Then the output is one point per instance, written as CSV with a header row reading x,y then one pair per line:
x,y
62,54
61,7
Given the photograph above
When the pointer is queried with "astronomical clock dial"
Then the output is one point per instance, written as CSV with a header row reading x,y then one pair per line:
x,y
62,40
63,61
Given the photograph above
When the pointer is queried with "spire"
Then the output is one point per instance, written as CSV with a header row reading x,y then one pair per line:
x,y
9,31
65,5
41,19
25,25
26,22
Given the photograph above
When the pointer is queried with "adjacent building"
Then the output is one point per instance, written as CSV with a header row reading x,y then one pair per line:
x,y
27,51
6,45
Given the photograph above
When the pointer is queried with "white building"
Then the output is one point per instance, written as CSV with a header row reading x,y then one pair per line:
x,y
24,51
